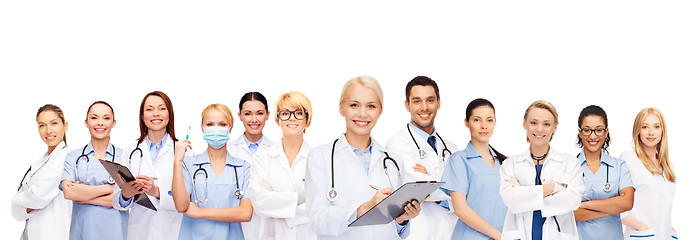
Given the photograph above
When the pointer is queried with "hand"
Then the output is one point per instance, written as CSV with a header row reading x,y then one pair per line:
x,y
149,185
420,168
181,149
379,196
129,189
513,181
411,210
194,211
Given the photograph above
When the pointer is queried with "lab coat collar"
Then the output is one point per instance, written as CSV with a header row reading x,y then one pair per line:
x,y
552,155
604,158
472,153
375,146
108,151
59,146
276,150
421,133
229,160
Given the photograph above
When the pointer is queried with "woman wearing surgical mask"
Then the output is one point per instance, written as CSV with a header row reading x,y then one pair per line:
x,y
609,188
541,187
37,201
653,177
150,159
341,175
211,188
253,113
89,186
277,173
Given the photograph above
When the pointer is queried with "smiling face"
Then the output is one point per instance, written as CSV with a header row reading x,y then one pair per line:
x,y
651,131
593,143
51,128
361,108
156,114
253,116
423,105
292,126
540,126
100,120
481,124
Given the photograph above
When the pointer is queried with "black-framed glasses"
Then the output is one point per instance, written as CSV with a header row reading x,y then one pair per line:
x,y
285,115
597,131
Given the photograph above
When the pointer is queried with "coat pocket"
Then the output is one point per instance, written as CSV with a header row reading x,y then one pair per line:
x,y
645,235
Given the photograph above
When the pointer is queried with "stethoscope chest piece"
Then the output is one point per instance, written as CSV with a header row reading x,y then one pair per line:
x,y
239,194
422,153
332,195
111,180
607,187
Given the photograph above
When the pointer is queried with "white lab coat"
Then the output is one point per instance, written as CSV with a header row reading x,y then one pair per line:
x,y
522,200
434,221
238,148
143,222
39,191
652,201
274,187
329,220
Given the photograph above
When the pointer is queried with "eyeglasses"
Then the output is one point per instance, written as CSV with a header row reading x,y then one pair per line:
x,y
285,115
597,131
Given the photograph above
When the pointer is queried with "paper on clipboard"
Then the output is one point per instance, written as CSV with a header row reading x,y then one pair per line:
x,y
114,168
393,205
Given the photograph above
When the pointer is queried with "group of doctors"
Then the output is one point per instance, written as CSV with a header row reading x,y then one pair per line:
x,y
253,188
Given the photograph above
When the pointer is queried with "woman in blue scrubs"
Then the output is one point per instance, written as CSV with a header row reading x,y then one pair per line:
x,y
211,188
85,181
472,178
609,187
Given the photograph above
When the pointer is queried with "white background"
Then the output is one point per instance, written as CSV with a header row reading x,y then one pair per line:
x,y
621,55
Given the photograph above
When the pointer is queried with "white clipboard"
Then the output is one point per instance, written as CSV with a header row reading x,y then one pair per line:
x,y
393,205
114,168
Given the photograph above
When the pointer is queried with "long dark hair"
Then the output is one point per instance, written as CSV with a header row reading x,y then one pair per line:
x,y
480,102
58,111
593,110
170,128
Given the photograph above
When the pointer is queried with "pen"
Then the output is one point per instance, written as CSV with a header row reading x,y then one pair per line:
x,y
375,188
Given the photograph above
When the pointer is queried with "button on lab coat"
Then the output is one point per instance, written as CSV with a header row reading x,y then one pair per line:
x,y
526,198
39,191
145,223
434,221
274,189
329,220
239,149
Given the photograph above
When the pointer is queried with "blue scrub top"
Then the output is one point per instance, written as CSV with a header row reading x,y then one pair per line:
x,y
466,172
619,177
221,194
93,221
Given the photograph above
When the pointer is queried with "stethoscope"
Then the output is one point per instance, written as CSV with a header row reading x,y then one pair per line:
x,y
141,154
607,187
83,154
422,153
239,193
332,194
34,173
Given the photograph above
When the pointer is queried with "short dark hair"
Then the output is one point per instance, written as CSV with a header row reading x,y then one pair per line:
x,y
250,96
593,110
421,81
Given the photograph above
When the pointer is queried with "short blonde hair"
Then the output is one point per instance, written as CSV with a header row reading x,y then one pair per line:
x,y
295,100
543,105
366,81
220,107
662,152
